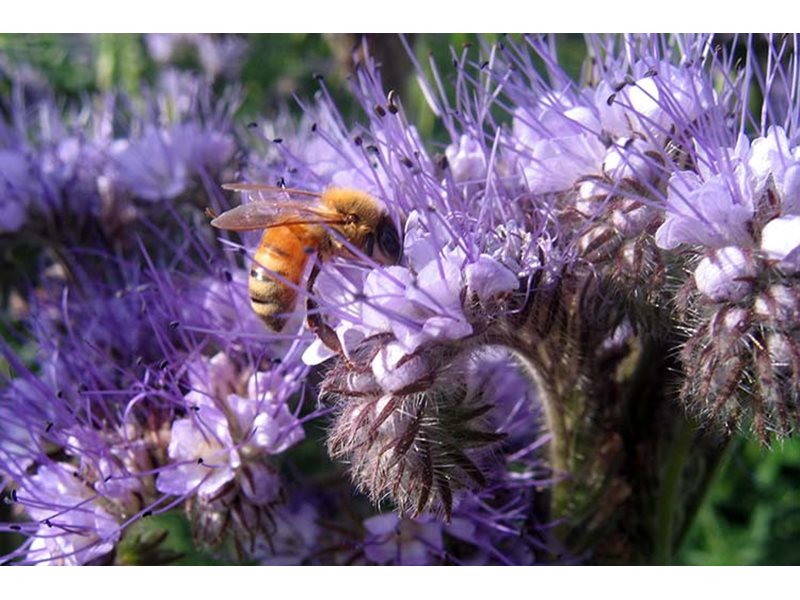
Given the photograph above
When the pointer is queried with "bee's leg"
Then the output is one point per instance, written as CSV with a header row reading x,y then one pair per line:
x,y
314,319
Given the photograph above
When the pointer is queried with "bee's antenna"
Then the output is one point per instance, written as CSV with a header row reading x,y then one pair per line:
x,y
210,213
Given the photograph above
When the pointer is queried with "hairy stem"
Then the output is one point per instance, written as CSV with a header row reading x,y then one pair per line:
x,y
553,416
669,498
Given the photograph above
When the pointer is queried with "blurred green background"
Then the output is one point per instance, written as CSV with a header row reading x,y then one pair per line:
x,y
752,512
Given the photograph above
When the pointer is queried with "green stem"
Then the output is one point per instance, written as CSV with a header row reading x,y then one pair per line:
x,y
668,499
553,416
728,448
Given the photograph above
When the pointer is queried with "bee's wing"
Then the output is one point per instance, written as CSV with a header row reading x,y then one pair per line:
x,y
263,214
275,207
260,191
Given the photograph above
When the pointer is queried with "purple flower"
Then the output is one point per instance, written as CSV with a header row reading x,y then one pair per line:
x,y
707,212
202,149
489,278
149,166
203,448
19,189
297,535
209,447
716,206
656,97
403,542
67,171
559,141
772,162
420,304
129,399
466,160
76,506
75,528
417,309
627,159
275,428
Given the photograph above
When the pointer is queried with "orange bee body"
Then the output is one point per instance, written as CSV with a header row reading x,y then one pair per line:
x,y
298,224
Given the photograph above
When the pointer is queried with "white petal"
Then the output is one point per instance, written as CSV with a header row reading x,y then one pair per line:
x,y
780,240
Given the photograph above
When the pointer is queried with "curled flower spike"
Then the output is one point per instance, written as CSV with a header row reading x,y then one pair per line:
x,y
741,365
417,444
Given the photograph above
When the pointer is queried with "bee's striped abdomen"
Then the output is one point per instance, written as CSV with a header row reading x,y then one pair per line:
x,y
281,259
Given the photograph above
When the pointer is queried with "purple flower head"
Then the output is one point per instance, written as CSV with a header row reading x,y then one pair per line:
x,y
129,401
18,189
716,205
79,174
158,164
410,419
76,506
729,211
67,154
420,303
487,525
149,166
219,452
180,137
615,129
425,442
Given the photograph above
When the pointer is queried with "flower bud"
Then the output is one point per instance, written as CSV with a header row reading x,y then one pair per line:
x,y
724,276
780,239
419,443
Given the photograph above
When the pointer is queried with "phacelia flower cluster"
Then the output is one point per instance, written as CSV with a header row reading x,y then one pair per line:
x,y
98,170
494,397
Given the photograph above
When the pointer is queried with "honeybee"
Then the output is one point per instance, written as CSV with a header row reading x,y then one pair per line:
x,y
298,224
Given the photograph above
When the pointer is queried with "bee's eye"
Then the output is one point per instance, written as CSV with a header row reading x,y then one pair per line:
x,y
369,244
388,240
